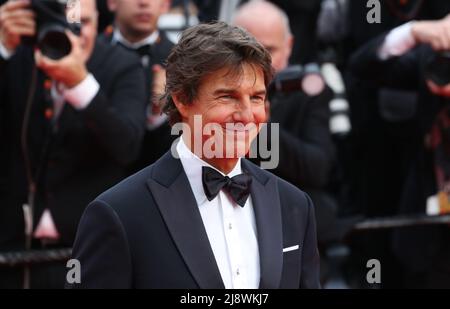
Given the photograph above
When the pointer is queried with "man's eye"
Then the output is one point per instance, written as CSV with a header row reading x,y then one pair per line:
x,y
258,99
85,22
226,97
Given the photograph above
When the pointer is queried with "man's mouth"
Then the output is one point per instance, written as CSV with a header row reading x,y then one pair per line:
x,y
143,17
238,128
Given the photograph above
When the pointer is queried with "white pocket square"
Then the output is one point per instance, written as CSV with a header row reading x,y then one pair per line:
x,y
288,249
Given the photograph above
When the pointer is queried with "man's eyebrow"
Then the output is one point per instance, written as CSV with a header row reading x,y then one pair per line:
x,y
231,91
224,91
260,92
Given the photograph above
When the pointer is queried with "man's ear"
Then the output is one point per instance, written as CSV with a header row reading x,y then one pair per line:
x,y
112,5
183,108
289,45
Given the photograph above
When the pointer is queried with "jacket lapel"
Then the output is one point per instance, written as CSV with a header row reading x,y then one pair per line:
x,y
266,204
172,192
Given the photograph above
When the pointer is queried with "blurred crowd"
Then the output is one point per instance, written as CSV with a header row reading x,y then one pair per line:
x,y
363,132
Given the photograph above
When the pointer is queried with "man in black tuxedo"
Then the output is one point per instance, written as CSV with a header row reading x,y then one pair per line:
x,y
84,128
400,59
136,29
202,216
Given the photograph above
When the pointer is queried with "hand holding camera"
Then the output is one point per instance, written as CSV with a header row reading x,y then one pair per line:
x,y
437,35
70,70
43,24
434,33
16,20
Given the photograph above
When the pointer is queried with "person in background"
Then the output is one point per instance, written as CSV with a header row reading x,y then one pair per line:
x,y
135,28
73,139
399,59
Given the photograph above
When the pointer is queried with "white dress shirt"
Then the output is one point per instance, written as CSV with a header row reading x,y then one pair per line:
x,y
150,40
231,229
4,52
398,42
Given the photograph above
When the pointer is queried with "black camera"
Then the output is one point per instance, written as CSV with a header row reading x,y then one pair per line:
x,y
51,26
307,79
438,68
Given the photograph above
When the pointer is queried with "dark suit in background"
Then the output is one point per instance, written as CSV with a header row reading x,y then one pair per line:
x,y
380,144
80,156
147,232
424,251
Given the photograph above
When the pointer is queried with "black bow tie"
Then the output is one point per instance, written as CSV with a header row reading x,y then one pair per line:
x,y
238,186
143,50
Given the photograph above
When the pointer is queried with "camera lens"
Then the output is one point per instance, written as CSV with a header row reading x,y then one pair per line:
x,y
53,41
438,69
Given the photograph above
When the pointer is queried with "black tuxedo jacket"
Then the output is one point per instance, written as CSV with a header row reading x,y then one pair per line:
x,y
84,154
147,232
306,146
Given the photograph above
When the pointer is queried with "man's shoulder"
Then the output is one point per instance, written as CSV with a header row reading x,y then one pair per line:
x,y
135,189
110,56
129,191
164,40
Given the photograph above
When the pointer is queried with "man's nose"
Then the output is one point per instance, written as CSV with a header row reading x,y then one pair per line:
x,y
144,3
244,112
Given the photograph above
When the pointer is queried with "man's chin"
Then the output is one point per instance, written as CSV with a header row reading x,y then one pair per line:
x,y
239,147
143,29
225,149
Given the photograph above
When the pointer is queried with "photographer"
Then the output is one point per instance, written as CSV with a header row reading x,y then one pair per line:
x,y
401,59
306,148
69,131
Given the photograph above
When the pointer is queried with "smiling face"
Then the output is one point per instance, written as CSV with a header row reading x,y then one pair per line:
x,y
232,108
219,73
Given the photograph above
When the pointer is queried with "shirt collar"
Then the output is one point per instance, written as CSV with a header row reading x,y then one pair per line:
x,y
150,40
192,166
